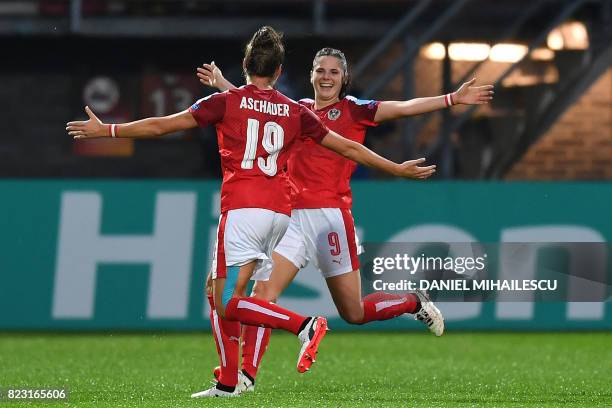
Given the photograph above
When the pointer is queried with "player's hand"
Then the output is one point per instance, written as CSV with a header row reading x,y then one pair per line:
x,y
87,129
411,169
210,75
473,95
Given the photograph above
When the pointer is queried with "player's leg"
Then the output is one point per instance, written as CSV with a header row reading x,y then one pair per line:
x,y
283,273
288,252
269,283
255,340
232,304
227,337
337,249
230,282
288,257
227,282
258,312
230,307
226,331
225,334
254,343
345,290
337,255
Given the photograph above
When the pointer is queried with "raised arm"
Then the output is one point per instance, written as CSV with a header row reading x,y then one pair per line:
x,y
466,94
211,75
144,128
362,155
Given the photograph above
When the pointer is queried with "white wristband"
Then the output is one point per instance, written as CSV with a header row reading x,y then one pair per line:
x,y
113,134
448,99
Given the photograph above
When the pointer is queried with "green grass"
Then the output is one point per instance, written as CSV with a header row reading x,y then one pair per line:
x,y
353,369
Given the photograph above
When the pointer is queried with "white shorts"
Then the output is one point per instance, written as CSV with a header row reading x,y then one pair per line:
x,y
245,235
325,236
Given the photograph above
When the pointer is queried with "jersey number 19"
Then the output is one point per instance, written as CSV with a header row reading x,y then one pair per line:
x,y
273,138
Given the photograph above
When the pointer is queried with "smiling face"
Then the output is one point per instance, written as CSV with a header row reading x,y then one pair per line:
x,y
327,78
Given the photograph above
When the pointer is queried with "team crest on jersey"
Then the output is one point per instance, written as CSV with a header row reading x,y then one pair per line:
x,y
333,114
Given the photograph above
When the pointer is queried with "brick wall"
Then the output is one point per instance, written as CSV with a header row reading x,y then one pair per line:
x,y
579,145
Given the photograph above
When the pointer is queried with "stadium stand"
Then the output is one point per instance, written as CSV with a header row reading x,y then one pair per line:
x,y
129,59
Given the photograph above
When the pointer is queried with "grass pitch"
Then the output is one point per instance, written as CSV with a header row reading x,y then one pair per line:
x,y
353,369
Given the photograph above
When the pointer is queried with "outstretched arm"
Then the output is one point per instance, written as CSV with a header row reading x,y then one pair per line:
x,y
211,75
466,94
145,128
362,155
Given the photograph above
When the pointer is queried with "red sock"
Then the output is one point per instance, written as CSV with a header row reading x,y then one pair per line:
x,y
257,312
227,339
384,306
254,344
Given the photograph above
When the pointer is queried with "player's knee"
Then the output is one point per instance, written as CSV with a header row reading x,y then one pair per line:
x,y
269,297
352,316
264,293
258,291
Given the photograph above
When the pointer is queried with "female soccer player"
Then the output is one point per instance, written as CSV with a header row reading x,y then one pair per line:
x,y
321,228
256,128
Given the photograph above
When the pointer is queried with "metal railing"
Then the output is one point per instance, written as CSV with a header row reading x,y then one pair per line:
x,y
409,53
507,35
451,124
394,33
566,11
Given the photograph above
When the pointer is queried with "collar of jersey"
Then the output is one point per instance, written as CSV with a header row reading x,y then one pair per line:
x,y
328,107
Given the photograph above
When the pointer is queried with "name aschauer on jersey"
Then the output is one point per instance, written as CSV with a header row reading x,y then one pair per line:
x,y
275,109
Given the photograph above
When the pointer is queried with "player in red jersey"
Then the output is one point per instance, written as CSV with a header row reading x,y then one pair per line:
x,y
256,128
321,229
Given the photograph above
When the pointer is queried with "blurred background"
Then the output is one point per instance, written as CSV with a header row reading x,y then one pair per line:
x,y
116,234
549,60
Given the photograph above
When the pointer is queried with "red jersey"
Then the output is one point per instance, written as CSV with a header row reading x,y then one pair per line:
x,y
321,177
255,130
